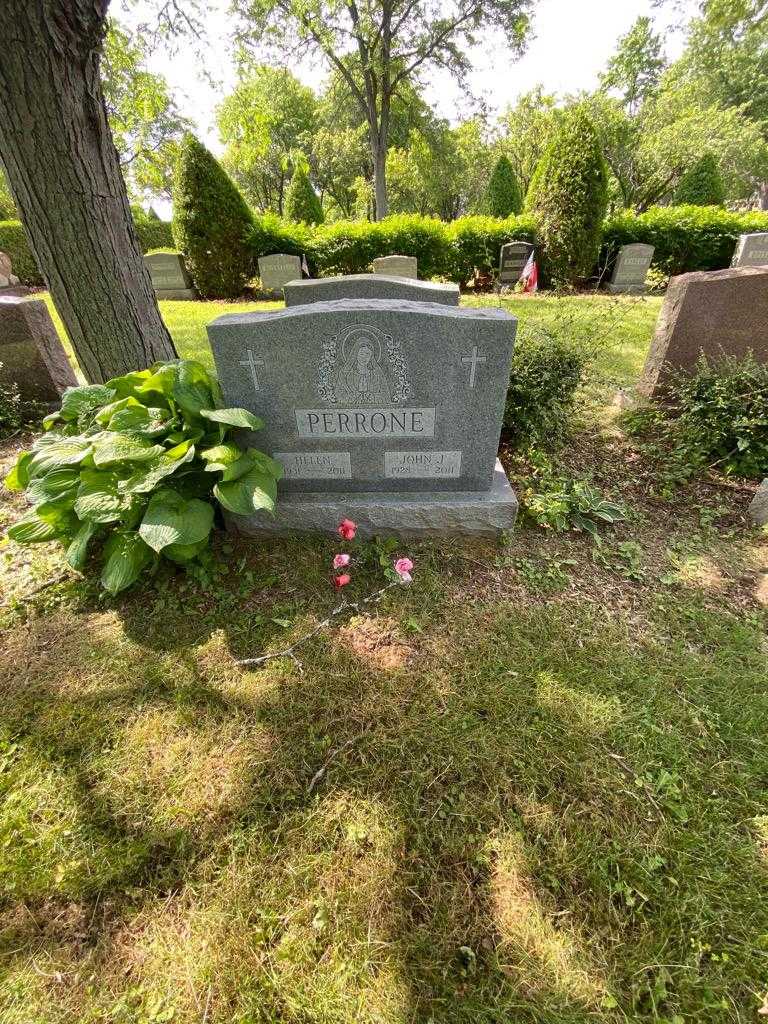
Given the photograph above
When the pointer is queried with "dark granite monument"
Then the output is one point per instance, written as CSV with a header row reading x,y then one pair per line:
x,y
387,412
631,269
368,286
718,312
512,262
31,353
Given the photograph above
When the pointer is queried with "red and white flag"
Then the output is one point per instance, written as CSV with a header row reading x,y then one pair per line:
x,y
530,275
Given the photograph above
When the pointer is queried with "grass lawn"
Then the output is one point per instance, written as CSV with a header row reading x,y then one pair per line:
x,y
531,787
623,325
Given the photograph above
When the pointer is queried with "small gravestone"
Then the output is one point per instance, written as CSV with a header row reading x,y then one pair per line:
x,y
512,262
31,353
277,270
369,286
718,312
758,507
631,268
387,412
170,278
751,250
396,266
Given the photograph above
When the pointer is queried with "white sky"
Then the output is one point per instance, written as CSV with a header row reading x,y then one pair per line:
x,y
572,42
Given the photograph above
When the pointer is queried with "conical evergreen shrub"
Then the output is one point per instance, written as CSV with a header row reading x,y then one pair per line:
x,y
702,184
301,202
211,223
504,196
568,196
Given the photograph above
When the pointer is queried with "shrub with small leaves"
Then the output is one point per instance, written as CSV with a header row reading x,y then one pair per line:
x,y
135,466
302,204
723,414
504,196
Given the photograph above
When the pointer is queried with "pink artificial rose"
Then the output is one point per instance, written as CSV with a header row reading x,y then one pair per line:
x,y
342,580
339,561
403,568
347,529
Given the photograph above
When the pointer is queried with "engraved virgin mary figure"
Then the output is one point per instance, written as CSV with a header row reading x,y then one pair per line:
x,y
361,381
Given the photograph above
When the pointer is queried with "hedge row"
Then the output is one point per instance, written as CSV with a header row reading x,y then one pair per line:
x,y
451,250
153,234
685,238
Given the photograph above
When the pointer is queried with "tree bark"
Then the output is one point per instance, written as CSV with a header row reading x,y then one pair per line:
x,y
380,180
65,176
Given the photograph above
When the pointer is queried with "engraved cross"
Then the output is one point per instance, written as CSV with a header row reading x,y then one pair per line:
x,y
250,363
472,361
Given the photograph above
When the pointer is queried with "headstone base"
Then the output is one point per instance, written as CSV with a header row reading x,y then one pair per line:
x,y
175,293
627,289
421,514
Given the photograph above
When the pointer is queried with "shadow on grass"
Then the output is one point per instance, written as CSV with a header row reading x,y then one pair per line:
x,y
531,815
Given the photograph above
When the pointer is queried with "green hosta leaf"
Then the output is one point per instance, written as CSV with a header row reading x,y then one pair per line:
x,y
192,389
151,473
184,553
238,468
32,530
77,551
50,421
133,385
249,493
75,402
266,463
220,456
54,485
109,447
233,418
98,498
171,519
52,452
126,555
18,478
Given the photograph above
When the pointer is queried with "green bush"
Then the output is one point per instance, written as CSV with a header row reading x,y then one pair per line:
x,y
211,223
568,195
302,205
270,234
13,241
475,243
723,414
8,209
702,184
153,233
546,371
685,238
134,465
504,197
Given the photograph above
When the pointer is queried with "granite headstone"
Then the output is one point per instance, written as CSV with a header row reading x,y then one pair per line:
x,y
396,266
170,278
631,268
758,507
369,286
718,312
514,256
277,270
751,250
387,412
31,353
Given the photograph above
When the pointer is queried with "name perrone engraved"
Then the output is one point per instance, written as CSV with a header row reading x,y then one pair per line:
x,y
371,423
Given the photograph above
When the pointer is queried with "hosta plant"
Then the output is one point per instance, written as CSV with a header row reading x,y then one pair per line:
x,y
134,467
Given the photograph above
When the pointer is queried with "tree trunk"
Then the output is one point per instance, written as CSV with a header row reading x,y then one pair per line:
x,y
762,196
65,176
380,180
